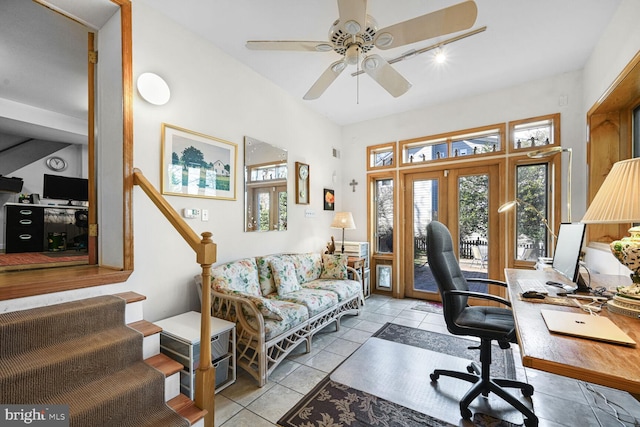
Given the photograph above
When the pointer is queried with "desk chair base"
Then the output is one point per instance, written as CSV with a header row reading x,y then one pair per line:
x,y
483,384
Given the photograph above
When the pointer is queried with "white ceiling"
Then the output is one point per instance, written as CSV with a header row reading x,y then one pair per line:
x,y
43,68
525,40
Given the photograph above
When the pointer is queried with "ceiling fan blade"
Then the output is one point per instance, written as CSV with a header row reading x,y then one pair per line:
x,y
353,12
444,21
386,76
325,80
294,45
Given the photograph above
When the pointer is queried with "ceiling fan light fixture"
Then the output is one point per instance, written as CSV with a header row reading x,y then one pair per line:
x,y
383,40
370,63
338,67
324,47
352,54
352,27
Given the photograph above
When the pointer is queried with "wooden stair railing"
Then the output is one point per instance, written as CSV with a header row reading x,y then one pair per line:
x,y
205,251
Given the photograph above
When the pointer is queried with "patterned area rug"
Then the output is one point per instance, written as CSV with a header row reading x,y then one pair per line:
x,y
331,404
502,364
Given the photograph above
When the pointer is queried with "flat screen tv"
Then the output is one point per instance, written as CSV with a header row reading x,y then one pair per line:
x,y
566,257
65,188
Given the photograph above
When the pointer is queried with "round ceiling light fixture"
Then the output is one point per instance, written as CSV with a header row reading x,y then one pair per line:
x,y
153,89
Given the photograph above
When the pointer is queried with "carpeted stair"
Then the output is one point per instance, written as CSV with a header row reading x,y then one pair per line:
x,y
83,355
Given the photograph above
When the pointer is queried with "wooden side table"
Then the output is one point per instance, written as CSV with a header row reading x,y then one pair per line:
x,y
358,264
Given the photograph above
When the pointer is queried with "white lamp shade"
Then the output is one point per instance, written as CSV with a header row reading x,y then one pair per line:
x,y
153,89
618,199
343,220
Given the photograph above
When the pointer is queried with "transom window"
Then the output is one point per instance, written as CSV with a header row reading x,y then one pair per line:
x,y
475,142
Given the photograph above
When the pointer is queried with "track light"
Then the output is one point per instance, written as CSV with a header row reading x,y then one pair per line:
x,y
439,55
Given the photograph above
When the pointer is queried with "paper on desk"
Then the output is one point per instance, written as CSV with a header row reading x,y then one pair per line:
x,y
569,302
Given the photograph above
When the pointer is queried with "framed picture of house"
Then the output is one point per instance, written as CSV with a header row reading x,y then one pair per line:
x,y
197,165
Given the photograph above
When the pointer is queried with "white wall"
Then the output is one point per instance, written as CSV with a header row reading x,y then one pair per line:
x,y
215,95
619,43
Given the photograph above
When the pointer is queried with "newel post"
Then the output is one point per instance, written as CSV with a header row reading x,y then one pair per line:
x,y
206,374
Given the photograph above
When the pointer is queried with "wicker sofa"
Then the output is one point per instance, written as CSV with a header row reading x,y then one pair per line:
x,y
280,301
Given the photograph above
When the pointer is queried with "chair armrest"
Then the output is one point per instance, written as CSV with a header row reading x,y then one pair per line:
x,y
356,273
491,281
489,297
235,308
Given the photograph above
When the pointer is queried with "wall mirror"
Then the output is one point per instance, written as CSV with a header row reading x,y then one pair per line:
x,y
265,191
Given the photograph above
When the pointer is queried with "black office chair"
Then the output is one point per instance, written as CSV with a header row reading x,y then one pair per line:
x,y
485,322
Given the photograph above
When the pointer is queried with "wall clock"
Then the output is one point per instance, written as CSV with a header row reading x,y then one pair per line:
x,y
56,163
302,183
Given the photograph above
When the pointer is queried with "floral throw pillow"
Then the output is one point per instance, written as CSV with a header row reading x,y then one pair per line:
x,y
284,275
334,266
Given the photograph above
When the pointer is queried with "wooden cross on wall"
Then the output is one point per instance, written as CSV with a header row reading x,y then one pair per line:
x,y
353,184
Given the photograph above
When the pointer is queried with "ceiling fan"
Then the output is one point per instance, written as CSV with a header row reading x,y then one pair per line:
x,y
355,33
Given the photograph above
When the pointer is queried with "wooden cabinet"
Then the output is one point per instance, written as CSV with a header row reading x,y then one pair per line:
x,y
180,340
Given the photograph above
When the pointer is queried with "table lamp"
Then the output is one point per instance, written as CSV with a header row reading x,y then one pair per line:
x,y
552,151
343,220
618,201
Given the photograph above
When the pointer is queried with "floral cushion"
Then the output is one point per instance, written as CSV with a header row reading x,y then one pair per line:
x,y
265,276
240,276
284,275
292,316
345,289
334,266
308,266
316,300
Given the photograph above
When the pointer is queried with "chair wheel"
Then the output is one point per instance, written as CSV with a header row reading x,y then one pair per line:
x,y
434,377
527,391
465,413
531,422
470,369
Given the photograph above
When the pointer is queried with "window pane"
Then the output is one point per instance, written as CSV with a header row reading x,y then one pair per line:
x,y
475,145
533,134
532,237
384,215
422,153
282,209
473,218
264,202
383,158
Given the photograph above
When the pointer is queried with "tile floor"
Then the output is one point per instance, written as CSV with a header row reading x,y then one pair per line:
x,y
558,401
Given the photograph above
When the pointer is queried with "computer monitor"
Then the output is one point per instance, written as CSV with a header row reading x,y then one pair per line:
x,y
65,188
566,257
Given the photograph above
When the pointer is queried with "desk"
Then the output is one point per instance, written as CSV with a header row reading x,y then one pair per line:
x,y
27,225
602,363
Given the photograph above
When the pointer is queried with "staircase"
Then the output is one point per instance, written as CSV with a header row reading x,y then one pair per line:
x,y
84,355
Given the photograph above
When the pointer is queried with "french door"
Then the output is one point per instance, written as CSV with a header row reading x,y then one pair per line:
x,y
466,201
